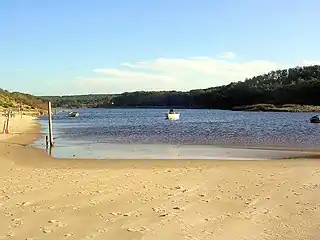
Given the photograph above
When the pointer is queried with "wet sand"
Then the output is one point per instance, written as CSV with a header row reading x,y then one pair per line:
x,y
46,198
170,151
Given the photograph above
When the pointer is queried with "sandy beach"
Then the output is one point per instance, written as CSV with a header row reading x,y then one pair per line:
x,y
46,198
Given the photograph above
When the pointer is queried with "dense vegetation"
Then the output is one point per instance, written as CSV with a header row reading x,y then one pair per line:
x,y
16,101
70,101
295,86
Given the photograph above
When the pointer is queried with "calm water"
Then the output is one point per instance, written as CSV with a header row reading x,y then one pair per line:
x,y
95,129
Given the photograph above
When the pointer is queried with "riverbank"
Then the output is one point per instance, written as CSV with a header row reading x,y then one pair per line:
x,y
278,108
45,198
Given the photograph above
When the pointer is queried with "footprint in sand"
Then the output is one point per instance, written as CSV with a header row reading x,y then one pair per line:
x,y
141,229
115,213
57,223
53,221
102,230
10,234
46,230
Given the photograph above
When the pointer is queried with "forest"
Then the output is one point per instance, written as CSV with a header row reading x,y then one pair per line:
x,y
77,101
276,90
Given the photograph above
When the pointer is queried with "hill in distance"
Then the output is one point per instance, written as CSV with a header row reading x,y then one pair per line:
x,y
15,101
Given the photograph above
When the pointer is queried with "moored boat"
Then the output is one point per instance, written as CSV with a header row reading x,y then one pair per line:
x,y
315,119
73,114
171,115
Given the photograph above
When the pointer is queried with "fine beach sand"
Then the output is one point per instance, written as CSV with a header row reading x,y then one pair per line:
x,y
45,198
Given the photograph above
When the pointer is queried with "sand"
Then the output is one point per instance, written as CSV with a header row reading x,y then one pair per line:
x,y
46,198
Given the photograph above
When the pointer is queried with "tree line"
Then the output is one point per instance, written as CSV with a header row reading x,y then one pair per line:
x,y
77,101
299,85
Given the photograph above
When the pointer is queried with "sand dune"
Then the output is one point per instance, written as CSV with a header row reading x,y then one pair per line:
x,y
44,198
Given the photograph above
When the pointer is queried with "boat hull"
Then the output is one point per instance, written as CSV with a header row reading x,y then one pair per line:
x,y
172,116
315,120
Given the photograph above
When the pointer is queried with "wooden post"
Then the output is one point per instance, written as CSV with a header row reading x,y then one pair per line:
x,y
21,113
50,152
4,126
47,142
50,124
7,125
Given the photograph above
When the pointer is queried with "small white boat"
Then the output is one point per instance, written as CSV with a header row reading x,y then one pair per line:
x,y
73,114
171,115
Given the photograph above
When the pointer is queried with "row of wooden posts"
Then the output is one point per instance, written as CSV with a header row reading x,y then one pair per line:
x,y
8,115
49,141
6,124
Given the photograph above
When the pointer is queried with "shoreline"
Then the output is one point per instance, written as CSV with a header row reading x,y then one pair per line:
x,y
22,141
230,132
310,153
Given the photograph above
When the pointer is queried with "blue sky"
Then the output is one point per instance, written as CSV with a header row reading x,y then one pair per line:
x,y
71,47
